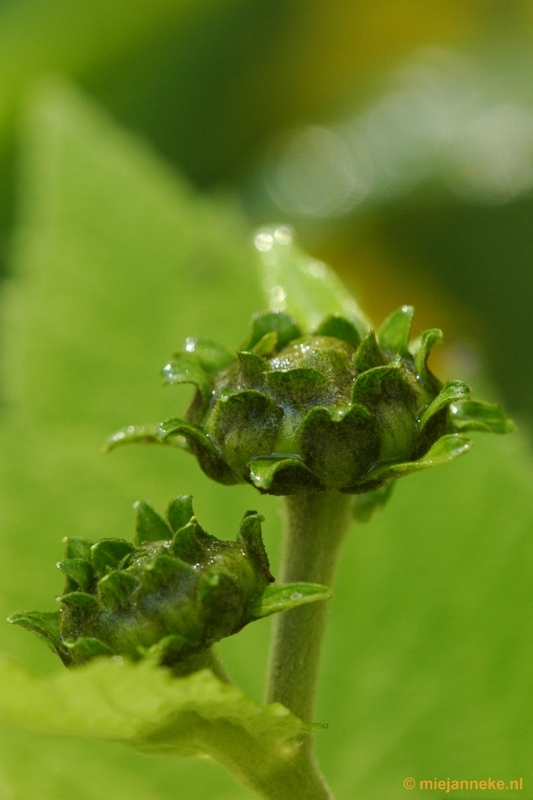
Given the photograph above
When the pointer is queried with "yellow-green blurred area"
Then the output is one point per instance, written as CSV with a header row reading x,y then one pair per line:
x,y
397,139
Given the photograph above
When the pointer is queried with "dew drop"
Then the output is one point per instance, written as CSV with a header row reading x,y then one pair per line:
x,y
317,270
283,235
264,241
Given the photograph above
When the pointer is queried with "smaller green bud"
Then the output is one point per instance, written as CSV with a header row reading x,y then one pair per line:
x,y
170,595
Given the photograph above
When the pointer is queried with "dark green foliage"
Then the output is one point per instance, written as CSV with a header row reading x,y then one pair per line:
x,y
170,596
292,413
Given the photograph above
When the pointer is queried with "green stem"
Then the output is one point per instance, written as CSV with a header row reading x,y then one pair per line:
x,y
272,771
316,526
207,659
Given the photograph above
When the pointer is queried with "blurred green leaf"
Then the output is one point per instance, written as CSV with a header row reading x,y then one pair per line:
x,y
71,35
141,704
301,285
430,659
112,256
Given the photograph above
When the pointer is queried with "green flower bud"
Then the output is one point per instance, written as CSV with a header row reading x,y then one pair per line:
x,y
328,410
171,594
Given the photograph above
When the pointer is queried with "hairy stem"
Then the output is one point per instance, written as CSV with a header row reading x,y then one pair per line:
x,y
316,526
207,659
272,771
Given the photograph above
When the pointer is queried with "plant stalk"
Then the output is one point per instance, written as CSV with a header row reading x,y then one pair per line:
x,y
316,525
271,771
207,659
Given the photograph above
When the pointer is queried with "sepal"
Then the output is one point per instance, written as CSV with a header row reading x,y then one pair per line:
x,y
282,476
132,434
365,505
115,589
339,327
79,571
251,537
421,349
86,648
339,450
45,625
201,445
369,354
283,325
180,511
451,392
188,544
149,526
230,426
185,368
474,415
283,598
443,451
108,554
211,356
80,600
395,331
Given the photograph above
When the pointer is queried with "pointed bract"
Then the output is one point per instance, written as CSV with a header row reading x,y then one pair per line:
x,y
250,534
340,451
283,598
211,356
368,354
180,511
230,425
395,331
340,328
132,434
473,415
444,450
202,446
421,350
115,589
450,393
283,476
266,346
77,548
109,553
184,368
79,571
253,368
149,525
277,322
81,600
299,388
45,624
187,545
86,648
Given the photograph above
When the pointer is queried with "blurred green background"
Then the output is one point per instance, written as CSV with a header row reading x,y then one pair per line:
x,y
397,139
